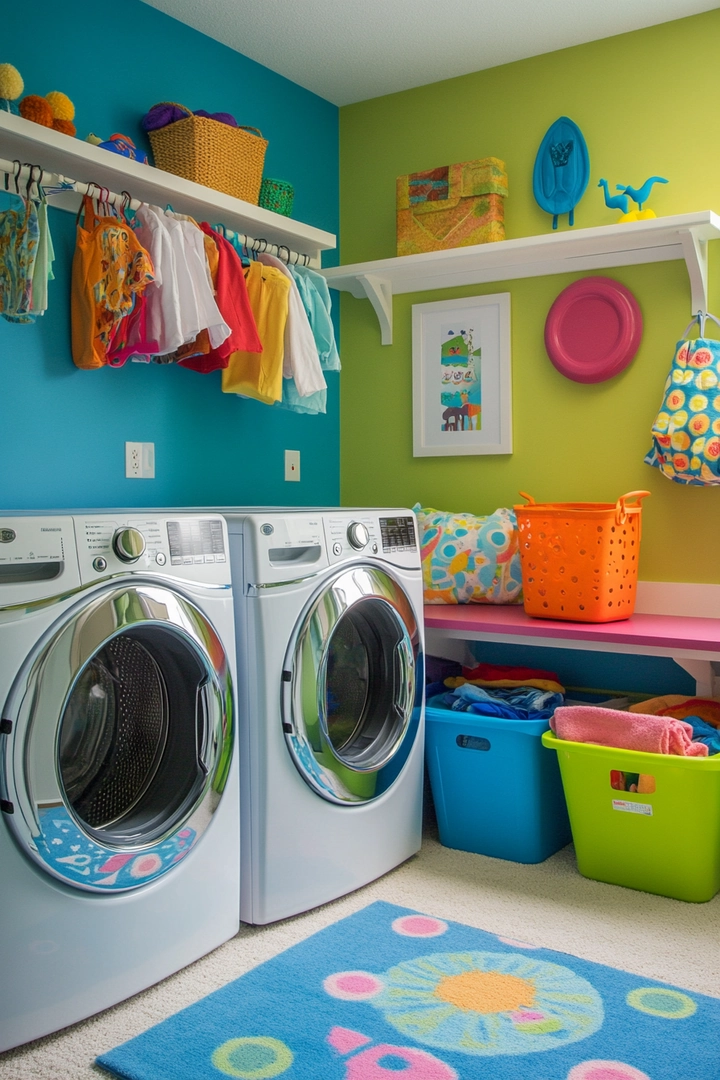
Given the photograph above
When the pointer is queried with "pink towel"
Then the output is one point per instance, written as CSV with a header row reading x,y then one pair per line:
x,y
628,731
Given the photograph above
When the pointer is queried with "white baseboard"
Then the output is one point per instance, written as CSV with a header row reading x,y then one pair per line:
x,y
678,598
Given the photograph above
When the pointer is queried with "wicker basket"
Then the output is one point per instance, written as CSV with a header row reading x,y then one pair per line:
x,y
217,155
277,195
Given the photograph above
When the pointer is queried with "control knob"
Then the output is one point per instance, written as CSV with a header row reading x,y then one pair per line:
x,y
358,535
128,544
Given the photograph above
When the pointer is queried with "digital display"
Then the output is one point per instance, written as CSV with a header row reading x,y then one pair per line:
x,y
398,534
194,541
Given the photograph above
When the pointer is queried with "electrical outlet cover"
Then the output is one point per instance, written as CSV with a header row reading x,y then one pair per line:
x,y
133,460
140,460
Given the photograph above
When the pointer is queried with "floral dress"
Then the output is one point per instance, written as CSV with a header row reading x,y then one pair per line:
x,y
19,234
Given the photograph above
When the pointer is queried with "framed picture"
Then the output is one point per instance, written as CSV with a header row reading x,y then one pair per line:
x,y
462,392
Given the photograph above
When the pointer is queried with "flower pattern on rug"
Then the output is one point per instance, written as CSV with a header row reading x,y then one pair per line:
x,y
488,1003
659,1001
605,1070
253,1058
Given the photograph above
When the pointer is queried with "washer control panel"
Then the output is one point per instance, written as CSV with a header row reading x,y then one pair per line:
x,y
351,534
398,534
196,540
189,546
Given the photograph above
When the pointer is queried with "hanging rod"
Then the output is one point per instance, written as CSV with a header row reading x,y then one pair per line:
x,y
26,176
291,257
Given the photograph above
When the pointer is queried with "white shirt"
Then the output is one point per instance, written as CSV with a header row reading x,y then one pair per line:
x,y
301,361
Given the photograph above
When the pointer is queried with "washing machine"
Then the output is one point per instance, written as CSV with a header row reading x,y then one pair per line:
x,y
330,702
119,798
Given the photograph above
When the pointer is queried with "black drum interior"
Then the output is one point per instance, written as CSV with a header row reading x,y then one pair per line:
x,y
132,734
364,684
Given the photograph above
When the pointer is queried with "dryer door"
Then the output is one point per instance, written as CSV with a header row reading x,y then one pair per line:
x,y
117,739
353,686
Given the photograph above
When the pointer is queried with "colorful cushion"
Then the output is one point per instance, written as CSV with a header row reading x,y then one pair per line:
x,y
468,559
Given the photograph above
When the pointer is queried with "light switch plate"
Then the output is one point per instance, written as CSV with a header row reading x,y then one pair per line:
x,y
292,464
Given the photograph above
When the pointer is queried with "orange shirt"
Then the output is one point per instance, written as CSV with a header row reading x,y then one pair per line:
x,y
109,267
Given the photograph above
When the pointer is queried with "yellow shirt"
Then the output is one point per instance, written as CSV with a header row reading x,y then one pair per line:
x,y
259,375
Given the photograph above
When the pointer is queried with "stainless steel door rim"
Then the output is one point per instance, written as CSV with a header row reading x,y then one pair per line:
x,y
352,685
122,719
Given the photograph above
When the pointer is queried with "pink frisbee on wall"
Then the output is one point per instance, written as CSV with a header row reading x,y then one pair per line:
x,y
593,329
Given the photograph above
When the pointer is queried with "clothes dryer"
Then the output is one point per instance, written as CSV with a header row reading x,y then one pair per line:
x,y
330,675
119,800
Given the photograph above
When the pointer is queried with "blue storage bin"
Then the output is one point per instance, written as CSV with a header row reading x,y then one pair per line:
x,y
497,790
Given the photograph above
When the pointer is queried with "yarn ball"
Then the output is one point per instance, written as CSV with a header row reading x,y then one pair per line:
x,y
11,82
161,115
66,126
61,105
221,117
36,108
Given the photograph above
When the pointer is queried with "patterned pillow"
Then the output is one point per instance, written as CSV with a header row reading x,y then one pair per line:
x,y
468,559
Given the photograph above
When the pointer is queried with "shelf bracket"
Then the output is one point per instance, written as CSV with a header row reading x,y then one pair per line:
x,y
379,292
704,672
695,252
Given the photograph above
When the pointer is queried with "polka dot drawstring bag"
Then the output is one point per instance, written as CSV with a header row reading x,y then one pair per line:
x,y
686,432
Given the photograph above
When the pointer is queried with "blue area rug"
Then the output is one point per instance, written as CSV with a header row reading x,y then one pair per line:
x,y
389,994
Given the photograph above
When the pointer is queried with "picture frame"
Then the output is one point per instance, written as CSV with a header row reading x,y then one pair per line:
x,y
462,383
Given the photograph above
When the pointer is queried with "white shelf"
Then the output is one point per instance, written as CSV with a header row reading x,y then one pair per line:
x,y
54,152
684,236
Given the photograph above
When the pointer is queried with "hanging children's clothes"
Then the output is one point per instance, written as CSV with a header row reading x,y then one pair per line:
x,y
109,267
43,272
210,316
163,316
315,296
234,303
197,311
310,405
300,361
254,375
19,232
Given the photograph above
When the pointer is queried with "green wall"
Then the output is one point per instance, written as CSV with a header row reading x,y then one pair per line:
x,y
647,103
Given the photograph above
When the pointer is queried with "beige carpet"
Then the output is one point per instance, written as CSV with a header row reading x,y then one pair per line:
x,y
549,904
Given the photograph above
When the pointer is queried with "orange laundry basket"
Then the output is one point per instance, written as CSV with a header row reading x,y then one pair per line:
x,y
580,560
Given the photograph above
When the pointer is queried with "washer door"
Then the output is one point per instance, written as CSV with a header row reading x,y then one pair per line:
x,y
118,739
353,686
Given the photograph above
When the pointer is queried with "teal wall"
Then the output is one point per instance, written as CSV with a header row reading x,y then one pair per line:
x,y
63,431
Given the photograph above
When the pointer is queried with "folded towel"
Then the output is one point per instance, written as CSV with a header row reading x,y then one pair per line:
x,y
507,676
626,730
682,707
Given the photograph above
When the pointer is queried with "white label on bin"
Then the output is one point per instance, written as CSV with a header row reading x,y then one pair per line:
x,y
632,807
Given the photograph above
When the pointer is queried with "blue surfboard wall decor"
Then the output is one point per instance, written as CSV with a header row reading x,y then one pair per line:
x,y
562,169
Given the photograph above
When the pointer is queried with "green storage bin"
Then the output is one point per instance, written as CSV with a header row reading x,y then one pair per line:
x,y
665,841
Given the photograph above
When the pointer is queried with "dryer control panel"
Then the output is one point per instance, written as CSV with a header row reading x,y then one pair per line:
x,y
384,534
188,546
280,547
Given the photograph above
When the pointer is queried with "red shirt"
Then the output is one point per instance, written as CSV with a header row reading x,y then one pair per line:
x,y
232,298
